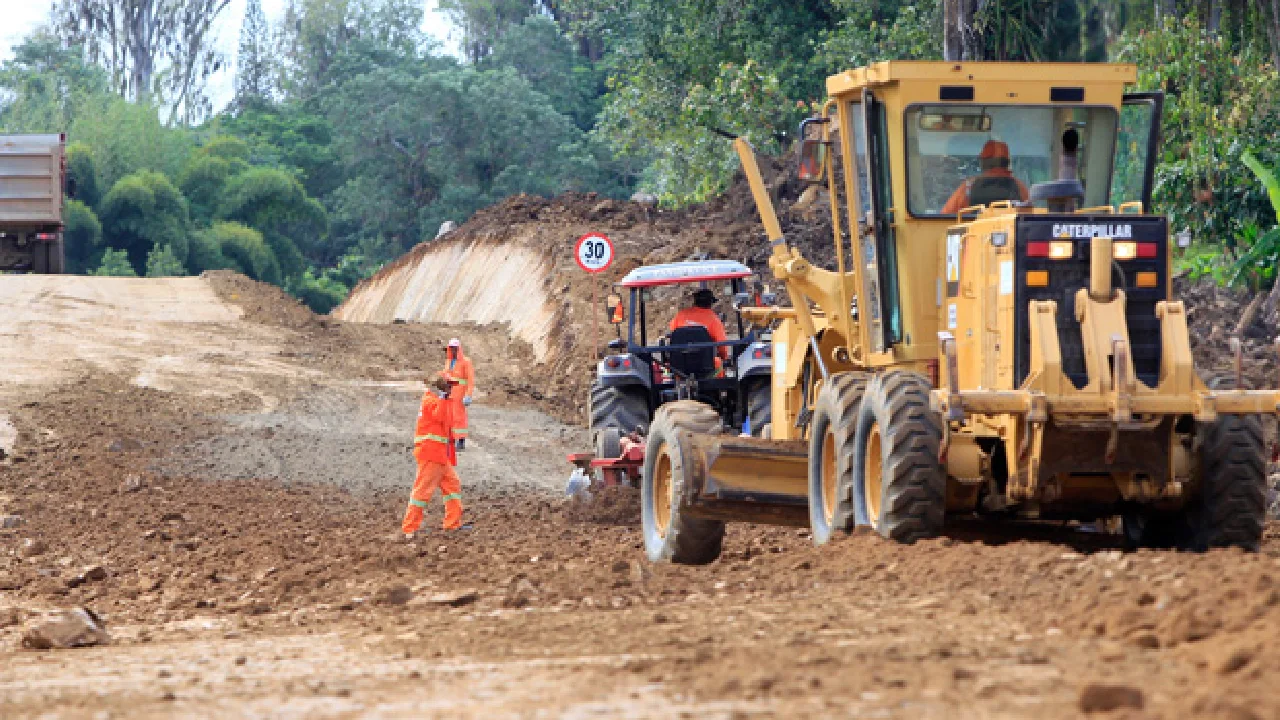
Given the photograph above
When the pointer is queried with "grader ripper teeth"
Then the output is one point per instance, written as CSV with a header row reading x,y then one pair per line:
x,y
996,340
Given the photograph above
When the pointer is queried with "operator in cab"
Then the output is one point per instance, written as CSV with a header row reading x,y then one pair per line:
x,y
701,314
995,183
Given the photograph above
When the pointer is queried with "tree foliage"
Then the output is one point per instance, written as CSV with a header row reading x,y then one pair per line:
x,y
115,263
253,62
273,203
162,262
143,211
81,236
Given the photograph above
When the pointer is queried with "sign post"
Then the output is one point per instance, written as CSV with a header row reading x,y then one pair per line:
x,y
594,254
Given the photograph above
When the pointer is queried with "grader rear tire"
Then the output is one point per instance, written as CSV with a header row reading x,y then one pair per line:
x,y
670,535
1231,509
900,485
832,439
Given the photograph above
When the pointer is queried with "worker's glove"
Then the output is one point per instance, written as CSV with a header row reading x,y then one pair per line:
x,y
466,400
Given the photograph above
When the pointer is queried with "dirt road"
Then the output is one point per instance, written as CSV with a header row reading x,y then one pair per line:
x,y
237,469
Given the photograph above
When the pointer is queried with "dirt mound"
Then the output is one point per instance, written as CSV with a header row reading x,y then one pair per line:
x,y
1213,316
261,302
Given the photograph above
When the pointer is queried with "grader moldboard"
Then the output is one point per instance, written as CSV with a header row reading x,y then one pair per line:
x,y
997,338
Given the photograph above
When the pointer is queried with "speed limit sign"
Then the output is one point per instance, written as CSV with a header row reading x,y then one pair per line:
x,y
594,252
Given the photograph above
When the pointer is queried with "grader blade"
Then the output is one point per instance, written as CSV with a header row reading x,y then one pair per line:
x,y
754,480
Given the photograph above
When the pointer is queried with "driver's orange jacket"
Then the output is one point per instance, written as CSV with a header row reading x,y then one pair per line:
x,y
704,317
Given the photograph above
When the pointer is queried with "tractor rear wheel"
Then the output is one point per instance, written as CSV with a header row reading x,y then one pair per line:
x,y
759,406
670,535
608,445
900,485
1231,508
831,452
623,407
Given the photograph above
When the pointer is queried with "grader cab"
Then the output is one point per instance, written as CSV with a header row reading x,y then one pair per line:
x,y
996,340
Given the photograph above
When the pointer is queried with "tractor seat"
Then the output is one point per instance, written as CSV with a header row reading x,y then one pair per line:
x,y
691,362
986,190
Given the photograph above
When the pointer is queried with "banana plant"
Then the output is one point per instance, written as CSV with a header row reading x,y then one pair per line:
x,y
1263,255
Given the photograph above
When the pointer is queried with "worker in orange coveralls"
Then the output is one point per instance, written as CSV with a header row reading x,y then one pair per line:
x,y
702,315
459,366
434,451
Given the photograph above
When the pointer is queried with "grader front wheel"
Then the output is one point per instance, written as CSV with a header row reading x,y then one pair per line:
x,y
831,450
900,488
670,535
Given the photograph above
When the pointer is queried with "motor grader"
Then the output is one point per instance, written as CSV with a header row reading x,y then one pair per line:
x,y
997,338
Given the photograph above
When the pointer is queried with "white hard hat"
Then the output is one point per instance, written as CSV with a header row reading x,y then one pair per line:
x,y
455,342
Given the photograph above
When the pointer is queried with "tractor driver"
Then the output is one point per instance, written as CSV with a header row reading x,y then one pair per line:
x,y
995,183
702,315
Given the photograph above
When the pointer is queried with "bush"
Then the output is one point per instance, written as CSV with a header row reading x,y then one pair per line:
x,y
81,235
245,249
320,294
206,254
82,175
143,211
161,262
115,263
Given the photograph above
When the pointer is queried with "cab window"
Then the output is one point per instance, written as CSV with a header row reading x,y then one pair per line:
x,y
963,155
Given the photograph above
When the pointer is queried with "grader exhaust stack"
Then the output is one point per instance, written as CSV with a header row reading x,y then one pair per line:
x,y
981,348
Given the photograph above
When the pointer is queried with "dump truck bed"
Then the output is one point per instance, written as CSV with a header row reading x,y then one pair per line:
x,y
30,180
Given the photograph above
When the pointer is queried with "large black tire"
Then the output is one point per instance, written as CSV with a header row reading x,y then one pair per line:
x,y
901,490
832,438
39,259
670,535
608,445
625,408
759,405
1231,508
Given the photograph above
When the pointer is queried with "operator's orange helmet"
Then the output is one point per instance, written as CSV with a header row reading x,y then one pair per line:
x,y
994,149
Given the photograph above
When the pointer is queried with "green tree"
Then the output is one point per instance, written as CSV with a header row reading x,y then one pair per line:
x,y
115,263
254,68
82,174
128,137
485,22
206,251
143,211
294,137
81,236
321,294
245,249
161,262
317,35
46,84
274,203
540,52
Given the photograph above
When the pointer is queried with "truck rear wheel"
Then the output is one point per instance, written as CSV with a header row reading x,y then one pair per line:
x,y
670,535
900,485
831,453
39,258
759,406
56,257
623,407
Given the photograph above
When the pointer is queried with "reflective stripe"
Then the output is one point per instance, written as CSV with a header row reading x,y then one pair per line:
x,y
433,438
453,496
463,382
420,503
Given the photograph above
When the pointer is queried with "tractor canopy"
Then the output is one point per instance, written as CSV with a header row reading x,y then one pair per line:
x,y
685,272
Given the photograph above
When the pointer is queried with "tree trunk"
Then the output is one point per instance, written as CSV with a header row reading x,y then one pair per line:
x,y
1270,12
960,39
1215,16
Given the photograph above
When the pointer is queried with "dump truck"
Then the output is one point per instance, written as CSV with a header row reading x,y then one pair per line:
x,y
32,169
997,339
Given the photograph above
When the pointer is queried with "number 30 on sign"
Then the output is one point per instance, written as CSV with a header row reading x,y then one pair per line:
x,y
594,252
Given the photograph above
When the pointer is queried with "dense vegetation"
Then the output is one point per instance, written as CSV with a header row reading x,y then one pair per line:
x,y
352,136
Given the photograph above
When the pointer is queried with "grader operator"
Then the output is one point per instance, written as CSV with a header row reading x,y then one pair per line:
x,y
1017,357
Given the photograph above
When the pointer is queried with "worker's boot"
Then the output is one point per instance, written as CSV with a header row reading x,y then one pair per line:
x,y
462,444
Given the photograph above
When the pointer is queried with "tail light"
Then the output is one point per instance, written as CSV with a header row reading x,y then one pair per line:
x,y
613,362
762,353
1131,250
46,236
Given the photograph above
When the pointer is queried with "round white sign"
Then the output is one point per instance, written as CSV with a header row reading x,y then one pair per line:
x,y
594,252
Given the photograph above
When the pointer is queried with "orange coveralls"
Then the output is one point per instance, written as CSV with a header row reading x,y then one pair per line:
x,y
433,449
707,318
460,368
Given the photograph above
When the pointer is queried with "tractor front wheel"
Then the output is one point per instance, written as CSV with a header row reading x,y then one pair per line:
x,y
900,486
670,535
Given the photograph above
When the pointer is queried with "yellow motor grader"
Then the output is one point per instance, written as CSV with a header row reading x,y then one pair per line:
x,y
997,338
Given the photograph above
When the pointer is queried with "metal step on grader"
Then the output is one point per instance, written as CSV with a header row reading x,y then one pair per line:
x,y
996,341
